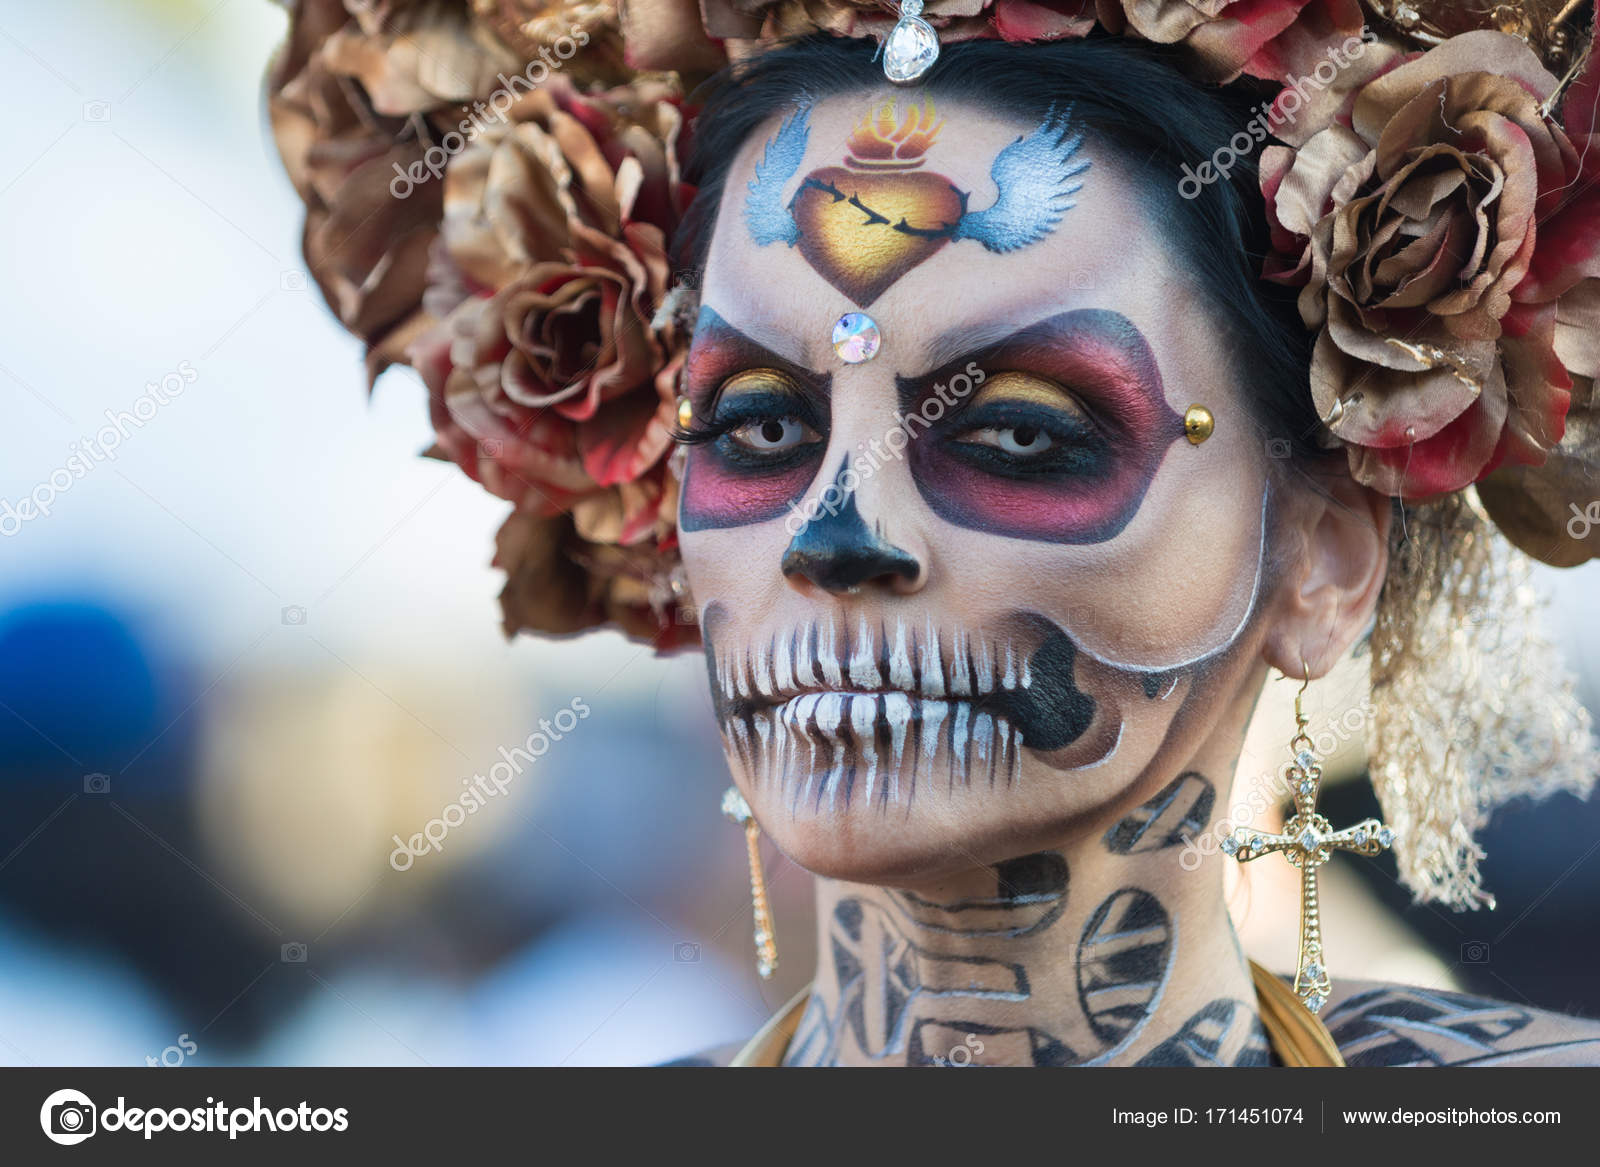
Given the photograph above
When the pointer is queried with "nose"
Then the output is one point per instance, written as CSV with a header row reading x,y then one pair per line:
x,y
837,551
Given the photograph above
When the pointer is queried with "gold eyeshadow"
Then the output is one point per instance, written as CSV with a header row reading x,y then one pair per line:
x,y
1014,388
758,381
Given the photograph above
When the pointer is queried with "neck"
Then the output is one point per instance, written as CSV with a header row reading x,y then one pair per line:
x,y
1103,951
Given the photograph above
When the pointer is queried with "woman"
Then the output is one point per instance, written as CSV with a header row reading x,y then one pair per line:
x,y
1000,486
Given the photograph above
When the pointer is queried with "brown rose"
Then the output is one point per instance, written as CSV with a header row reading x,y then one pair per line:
x,y
550,379
1415,228
1273,39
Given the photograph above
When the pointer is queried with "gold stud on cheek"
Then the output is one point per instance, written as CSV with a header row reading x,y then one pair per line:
x,y
685,412
1198,424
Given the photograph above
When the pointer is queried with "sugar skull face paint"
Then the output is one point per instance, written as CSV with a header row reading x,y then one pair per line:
x,y
866,223
959,596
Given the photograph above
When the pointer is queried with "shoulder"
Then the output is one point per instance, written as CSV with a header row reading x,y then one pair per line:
x,y
720,1055
1405,1025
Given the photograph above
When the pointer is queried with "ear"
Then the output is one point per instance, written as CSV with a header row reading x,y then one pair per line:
x,y
1327,594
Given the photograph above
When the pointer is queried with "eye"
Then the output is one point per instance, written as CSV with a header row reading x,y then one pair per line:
x,y
1013,439
773,435
1024,426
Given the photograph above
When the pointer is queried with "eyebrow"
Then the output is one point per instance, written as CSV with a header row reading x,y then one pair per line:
x,y
724,348
785,346
965,340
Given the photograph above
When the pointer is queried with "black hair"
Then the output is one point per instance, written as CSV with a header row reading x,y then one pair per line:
x,y
1128,95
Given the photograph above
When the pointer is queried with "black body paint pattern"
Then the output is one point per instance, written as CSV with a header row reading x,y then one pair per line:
x,y
1178,812
896,997
1397,1025
1224,1032
1030,896
1124,957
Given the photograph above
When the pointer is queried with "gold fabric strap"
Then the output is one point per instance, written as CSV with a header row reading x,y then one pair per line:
x,y
771,1041
1297,1035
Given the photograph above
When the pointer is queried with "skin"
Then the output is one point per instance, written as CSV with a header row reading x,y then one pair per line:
x,y
1023,895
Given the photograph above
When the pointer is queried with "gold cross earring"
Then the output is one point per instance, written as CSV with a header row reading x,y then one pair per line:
x,y
1308,841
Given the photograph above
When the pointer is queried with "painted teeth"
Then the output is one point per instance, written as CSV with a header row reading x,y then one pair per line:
x,y
859,735
828,657
868,658
931,664
863,661
900,675
960,680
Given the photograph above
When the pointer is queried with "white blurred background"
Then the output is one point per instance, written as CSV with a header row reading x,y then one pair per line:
x,y
242,655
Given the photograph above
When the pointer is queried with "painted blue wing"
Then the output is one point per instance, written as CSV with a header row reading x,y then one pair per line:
x,y
765,214
1036,177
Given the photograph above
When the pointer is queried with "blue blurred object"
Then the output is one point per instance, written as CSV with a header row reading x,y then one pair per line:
x,y
76,689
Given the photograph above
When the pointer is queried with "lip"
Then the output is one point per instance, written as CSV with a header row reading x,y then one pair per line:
x,y
816,660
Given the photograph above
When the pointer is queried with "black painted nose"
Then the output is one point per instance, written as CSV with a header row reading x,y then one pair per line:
x,y
837,551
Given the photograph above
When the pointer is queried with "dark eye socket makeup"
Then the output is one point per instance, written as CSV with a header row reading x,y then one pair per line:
x,y
1050,433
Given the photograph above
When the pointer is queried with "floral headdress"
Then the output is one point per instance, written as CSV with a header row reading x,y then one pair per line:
x,y
492,187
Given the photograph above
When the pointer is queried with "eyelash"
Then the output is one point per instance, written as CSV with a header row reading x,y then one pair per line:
x,y
751,409
1077,448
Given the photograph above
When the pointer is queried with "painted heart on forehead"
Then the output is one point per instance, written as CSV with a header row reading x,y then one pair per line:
x,y
866,223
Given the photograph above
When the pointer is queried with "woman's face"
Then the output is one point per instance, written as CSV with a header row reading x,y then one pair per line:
x,y
962,596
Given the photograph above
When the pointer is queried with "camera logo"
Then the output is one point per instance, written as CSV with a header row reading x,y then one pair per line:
x,y
293,953
685,952
97,783
1475,952
67,1117
294,614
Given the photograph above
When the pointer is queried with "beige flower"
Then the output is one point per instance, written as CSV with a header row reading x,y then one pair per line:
x,y
1415,229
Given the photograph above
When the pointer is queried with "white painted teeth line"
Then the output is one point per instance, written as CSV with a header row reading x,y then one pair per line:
x,y
863,663
762,681
830,710
897,712
817,656
828,656
900,675
984,674
960,682
863,719
933,713
930,666
983,742
804,677
783,665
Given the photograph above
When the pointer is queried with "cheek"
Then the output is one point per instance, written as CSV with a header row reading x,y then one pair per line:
x,y
716,494
1172,590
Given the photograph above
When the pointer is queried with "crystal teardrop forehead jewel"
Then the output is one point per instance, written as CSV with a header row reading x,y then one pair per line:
x,y
911,47
1307,841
